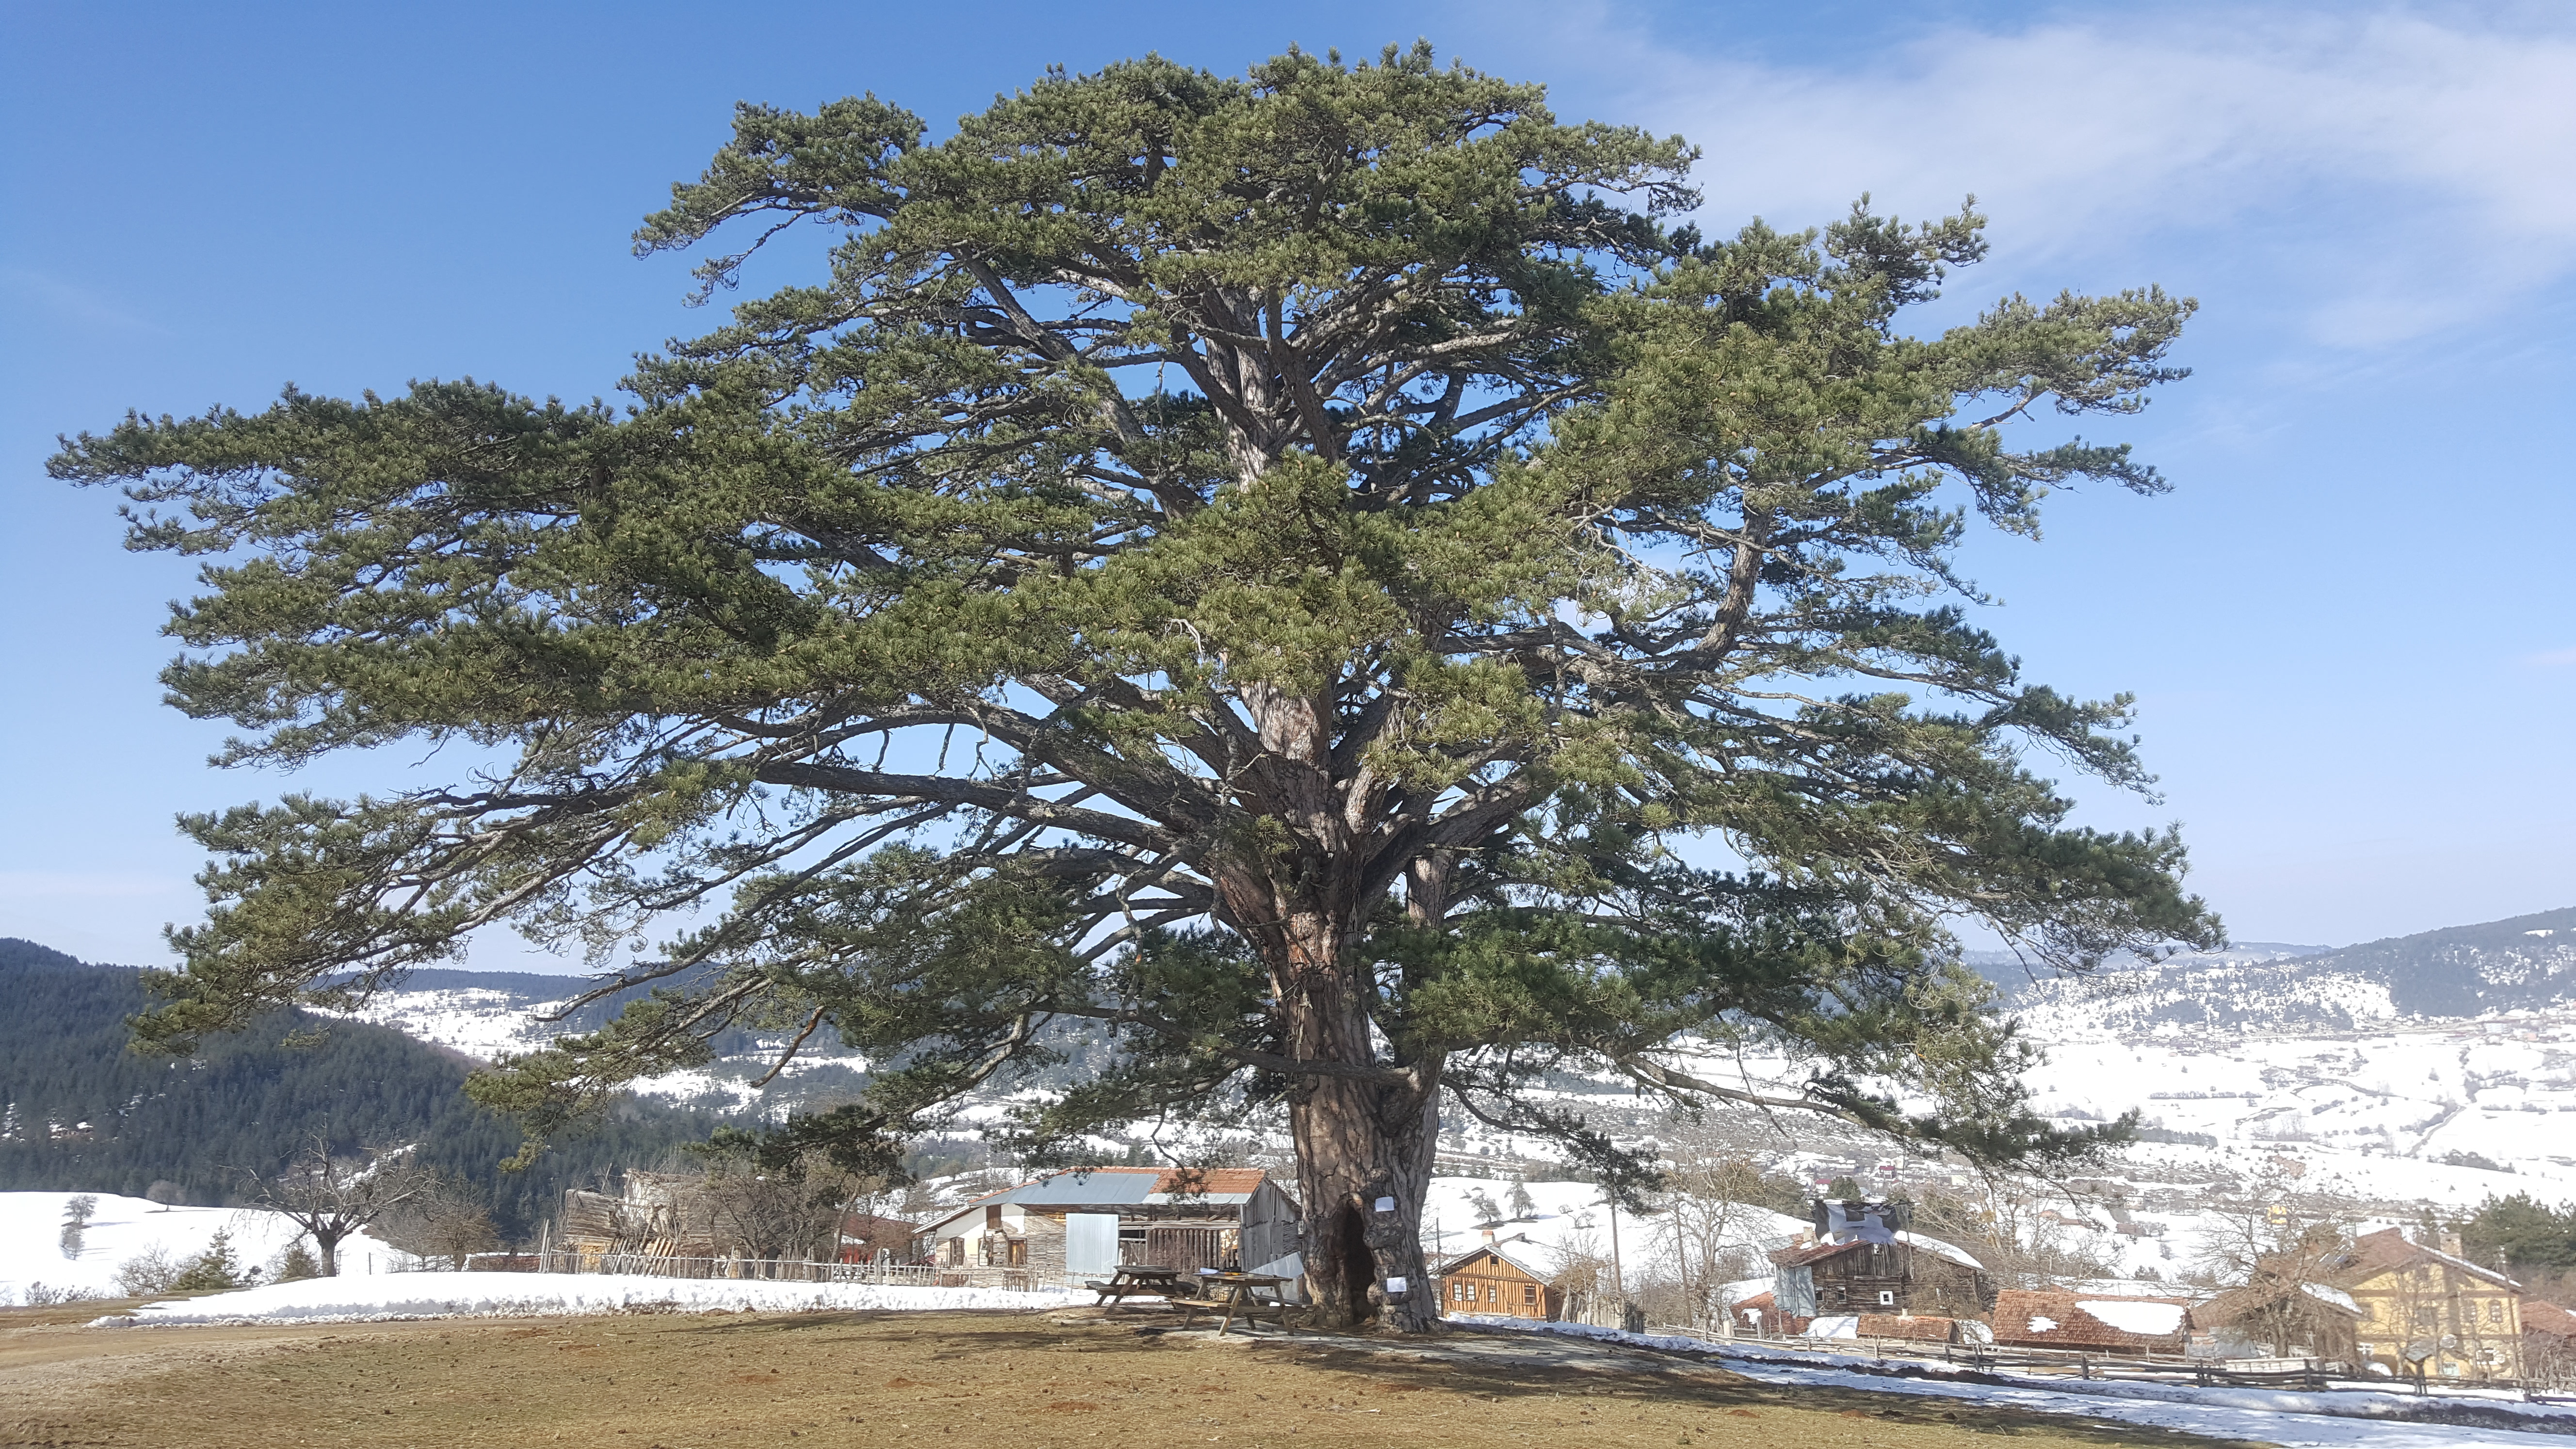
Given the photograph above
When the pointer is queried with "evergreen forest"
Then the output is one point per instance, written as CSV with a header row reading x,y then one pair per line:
x,y
81,1111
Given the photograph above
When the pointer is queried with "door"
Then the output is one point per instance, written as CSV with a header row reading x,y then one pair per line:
x,y
1090,1245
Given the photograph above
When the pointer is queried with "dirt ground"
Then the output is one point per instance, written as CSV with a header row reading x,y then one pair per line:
x,y
915,1379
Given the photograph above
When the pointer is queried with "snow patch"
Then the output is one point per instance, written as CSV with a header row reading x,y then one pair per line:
x,y
123,1227
2287,1418
516,1295
2131,1315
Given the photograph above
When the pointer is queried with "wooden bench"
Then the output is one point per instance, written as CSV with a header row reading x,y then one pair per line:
x,y
1133,1280
1240,1298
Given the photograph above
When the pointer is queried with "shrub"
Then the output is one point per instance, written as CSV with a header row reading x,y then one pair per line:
x,y
40,1296
147,1273
294,1264
213,1270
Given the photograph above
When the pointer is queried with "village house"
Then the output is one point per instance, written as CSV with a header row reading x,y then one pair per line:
x,y
2081,1322
654,1215
2429,1306
1506,1279
1082,1223
2548,1344
868,1238
1862,1260
2279,1317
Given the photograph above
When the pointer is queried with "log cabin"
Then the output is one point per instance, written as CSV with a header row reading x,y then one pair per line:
x,y
1505,1279
1864,1261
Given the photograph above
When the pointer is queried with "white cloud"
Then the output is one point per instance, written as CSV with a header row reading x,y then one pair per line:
x,y
70,303
2402,170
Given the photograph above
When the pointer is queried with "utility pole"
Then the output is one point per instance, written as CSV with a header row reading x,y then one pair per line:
x,y
1618,1274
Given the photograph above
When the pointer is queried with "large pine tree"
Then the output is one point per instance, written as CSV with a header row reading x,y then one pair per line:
x,y
1270,568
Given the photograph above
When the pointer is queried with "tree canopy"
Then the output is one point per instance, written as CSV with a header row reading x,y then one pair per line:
x,y
1274,571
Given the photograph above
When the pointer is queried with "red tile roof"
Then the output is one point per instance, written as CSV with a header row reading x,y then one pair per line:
x,y
2020,1314
1195,1180
2539,1316
1898,1325
2389,1249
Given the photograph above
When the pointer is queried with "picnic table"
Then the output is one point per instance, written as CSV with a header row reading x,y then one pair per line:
x,y
1243,1298
1134,1278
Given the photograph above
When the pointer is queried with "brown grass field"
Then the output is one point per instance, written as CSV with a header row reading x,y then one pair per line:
x,y
644,1381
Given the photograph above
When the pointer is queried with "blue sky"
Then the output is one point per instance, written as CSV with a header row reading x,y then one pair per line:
x,y
2351,627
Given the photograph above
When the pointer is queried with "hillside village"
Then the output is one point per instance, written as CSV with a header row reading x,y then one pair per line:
x,y
2290,1113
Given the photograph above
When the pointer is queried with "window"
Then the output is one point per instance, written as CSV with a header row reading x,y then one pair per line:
x,y
1886,1297
1493,1294
2495,1310
1529,1295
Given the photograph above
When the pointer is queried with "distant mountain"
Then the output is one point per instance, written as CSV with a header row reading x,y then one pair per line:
x,y
81,1111
2459,971
2528,961
485,1014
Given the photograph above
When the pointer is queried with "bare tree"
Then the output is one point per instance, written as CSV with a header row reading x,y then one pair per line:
x,y
2282,1313
1714,1197
449,1221
2266,1216
2004,1228
331,1195
772,1204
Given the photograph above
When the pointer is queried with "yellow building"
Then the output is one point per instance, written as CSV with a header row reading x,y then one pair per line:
x,y
2416,1299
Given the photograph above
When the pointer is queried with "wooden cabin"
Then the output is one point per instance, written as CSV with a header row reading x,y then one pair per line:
x,y
1082,1223
656,1214
1505,1280
2548,1345
1905,1326
1864,1261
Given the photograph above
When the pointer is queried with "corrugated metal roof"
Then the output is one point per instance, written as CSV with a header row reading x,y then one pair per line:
x,y
1098,1186
1081,1187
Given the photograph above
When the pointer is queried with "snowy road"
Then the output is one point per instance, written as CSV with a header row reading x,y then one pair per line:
x,y
2294,1420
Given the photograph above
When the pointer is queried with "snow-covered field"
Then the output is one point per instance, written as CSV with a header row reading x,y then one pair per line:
x,y
2290,1419
31,1226
514,1295
2303,1081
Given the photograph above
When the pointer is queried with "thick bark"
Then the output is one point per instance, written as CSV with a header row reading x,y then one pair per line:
x,y
1364,1145
1364,1157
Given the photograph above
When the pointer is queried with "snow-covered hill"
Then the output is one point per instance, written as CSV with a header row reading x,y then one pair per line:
x,y
31,1241
2311,1069
2526,963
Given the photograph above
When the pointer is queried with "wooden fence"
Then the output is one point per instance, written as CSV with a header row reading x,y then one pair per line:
x,y
777,1270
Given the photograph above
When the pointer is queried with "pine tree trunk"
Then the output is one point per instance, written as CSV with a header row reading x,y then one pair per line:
x,y
1364,1145
1366,1137
1364,1156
